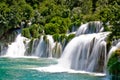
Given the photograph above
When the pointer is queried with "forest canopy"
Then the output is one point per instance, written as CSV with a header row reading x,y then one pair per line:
x,y
57,16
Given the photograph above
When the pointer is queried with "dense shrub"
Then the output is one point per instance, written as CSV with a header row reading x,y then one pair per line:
x,y
51,28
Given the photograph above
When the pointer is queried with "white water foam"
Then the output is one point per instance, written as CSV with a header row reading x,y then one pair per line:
x,y
17,48
34,57
72,53
59,69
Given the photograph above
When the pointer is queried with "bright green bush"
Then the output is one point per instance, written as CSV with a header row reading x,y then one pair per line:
x,y
51,28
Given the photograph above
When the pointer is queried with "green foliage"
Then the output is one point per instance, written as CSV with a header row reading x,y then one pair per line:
x,y
51,28
59,16
63,37
26,32
34,30
110,12
70,37
27,12
59,37
113,64
12,13
66,13
63,23
56,37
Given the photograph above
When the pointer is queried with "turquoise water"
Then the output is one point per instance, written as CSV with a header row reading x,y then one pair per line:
x,y
18,69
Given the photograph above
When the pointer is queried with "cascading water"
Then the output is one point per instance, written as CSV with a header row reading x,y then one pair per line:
x,y
44,48
47,48
91,27
3,49
85,52
57,50
40,48
17,48
113,48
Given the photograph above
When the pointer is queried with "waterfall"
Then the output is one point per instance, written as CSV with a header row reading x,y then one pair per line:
x,y
45,46
40,48
17,48
57,50
87,51
48,48
113,48
91,27
3,48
